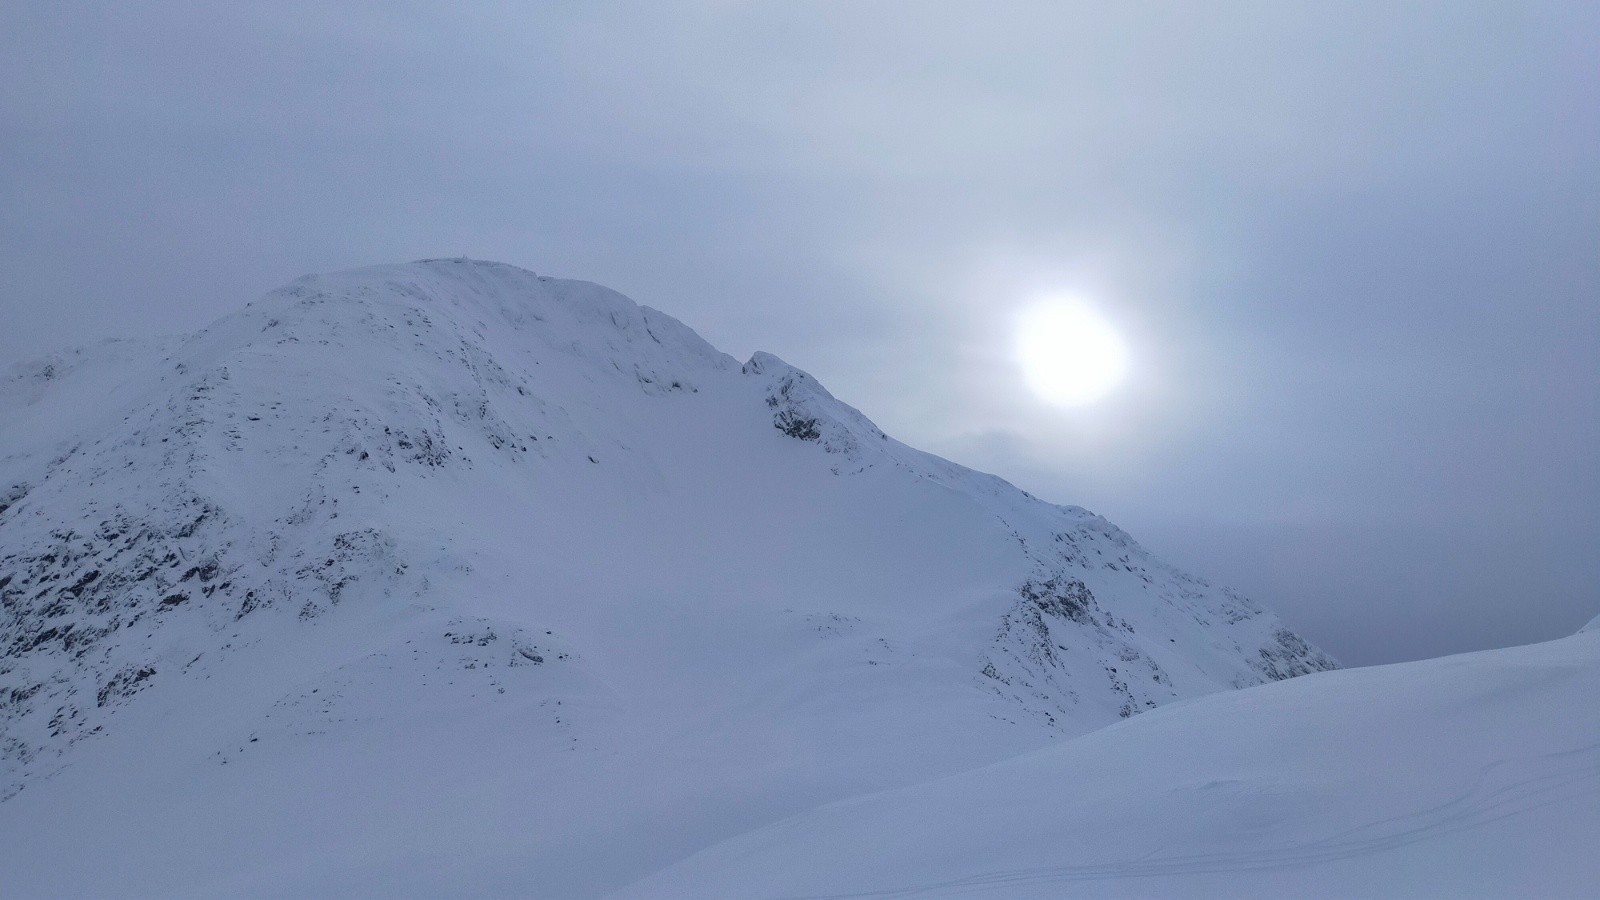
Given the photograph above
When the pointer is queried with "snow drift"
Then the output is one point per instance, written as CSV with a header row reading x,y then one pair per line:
x,y
1468,776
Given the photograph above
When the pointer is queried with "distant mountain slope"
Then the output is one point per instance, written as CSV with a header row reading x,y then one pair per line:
x,y
1467,776
380,510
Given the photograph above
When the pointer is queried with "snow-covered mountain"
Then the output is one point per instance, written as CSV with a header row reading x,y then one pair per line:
x,y
452,578
1468,776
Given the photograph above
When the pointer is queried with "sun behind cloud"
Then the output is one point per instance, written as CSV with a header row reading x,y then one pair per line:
x,y
1070,354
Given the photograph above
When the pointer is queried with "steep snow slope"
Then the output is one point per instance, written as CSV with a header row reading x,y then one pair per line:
x,y
1467,776
451,558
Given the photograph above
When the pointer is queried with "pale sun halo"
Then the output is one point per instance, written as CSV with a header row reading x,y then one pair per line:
x,y
1069,354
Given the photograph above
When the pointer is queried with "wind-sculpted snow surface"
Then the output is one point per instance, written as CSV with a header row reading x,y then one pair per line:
x,y
1467,776
701,596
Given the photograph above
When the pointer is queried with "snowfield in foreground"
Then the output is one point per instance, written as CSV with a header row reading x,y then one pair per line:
x,y
452,579
1467,776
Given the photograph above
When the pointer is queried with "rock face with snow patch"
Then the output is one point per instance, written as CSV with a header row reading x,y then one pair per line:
x,y
309,498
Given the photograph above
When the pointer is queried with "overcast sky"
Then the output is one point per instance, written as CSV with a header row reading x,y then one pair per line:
x,y
1354,248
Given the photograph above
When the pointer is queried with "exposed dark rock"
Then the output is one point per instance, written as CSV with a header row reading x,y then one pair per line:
x,y
796,426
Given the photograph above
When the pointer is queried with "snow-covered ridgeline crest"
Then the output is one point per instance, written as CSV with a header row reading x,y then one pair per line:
x,y
1465,776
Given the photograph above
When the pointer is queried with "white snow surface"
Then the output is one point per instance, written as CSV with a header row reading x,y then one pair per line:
x,y
1467,776
448,578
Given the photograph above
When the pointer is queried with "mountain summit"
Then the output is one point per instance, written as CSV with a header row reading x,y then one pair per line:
x,y
450,577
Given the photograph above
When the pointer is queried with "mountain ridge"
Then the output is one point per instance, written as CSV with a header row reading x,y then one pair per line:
x,y
483,489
